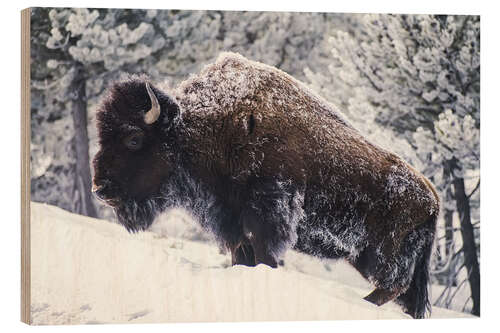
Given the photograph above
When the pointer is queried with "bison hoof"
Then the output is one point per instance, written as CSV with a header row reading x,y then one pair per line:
x,y
381,296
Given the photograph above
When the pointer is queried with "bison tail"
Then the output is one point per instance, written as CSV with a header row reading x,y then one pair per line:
x,y
416,298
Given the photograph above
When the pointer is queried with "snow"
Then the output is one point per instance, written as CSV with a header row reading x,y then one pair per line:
x,y
87,271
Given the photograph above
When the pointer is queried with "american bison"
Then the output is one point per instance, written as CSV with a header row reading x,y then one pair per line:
x,y
266,165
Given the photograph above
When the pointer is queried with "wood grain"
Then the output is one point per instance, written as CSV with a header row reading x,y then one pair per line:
x,y
25,167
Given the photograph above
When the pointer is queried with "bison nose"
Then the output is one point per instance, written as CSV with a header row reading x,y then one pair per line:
x,y
100,190
95,188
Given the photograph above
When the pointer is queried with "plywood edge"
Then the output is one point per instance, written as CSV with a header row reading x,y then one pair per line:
x,y
25,166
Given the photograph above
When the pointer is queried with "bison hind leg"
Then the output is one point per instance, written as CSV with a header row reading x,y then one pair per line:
x,y
369,265
415,300
402,276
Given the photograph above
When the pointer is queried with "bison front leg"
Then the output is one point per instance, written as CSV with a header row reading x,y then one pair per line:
x,y
243,254
270,219
260,239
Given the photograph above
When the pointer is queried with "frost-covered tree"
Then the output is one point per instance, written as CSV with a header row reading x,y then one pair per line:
x,y
410,68
288,41
403,74
453,149
52,151
79,50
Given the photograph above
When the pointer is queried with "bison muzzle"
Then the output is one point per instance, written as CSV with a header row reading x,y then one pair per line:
x,y
266,165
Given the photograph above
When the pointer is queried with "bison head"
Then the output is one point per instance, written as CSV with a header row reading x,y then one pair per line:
x,y
135,124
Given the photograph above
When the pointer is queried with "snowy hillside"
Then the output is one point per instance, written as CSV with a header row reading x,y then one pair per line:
x,y
91,271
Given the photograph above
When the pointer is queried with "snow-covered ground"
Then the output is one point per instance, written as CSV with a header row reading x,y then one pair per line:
x,y
87,271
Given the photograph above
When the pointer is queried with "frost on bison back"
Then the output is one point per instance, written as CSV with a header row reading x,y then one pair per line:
x,y
265,165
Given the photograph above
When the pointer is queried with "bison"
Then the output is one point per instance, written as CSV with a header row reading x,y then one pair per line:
x,y
266,165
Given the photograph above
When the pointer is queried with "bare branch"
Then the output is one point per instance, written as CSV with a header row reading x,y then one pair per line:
x,y
63,45
45,86
457,289
466,302
447,264
475,189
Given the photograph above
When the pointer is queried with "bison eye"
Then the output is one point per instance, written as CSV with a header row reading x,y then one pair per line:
x,y
134,141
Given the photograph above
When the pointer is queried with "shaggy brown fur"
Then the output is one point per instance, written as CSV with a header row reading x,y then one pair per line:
x,y
266,165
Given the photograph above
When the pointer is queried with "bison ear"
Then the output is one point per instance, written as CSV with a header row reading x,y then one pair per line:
x,y
153,114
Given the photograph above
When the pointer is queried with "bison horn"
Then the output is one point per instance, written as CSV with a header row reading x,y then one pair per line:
x,y
152,115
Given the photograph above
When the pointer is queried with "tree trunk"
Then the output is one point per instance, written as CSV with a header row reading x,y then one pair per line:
x,y
449,250
451,274
448,224
448,214
469,246
83,194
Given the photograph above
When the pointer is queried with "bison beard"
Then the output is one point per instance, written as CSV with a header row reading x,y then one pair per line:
x,y
266,165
